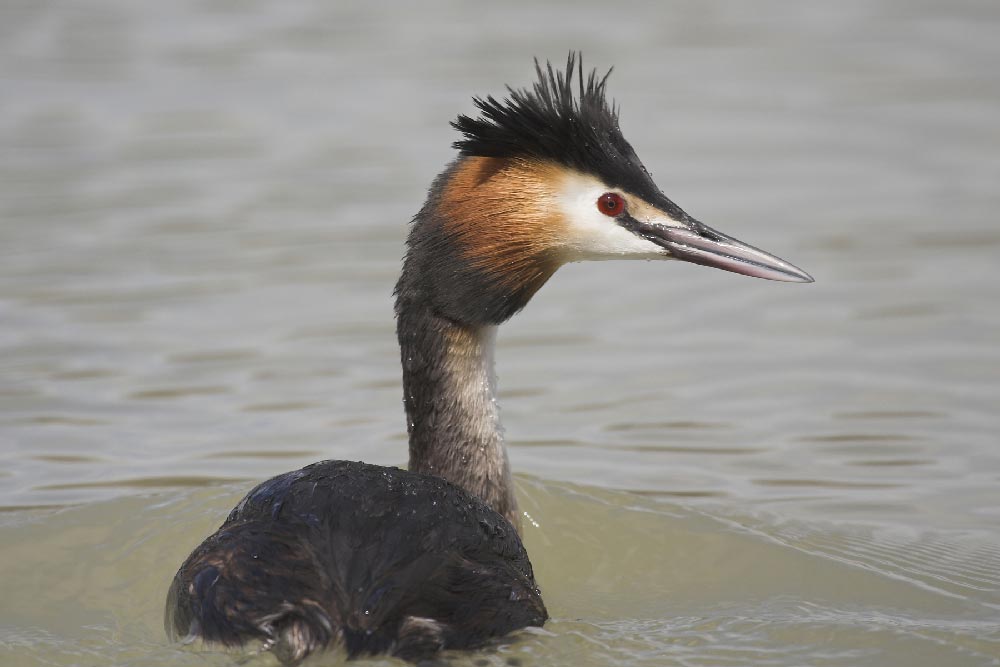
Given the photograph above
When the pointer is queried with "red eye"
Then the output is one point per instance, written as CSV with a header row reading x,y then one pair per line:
x,y
610,204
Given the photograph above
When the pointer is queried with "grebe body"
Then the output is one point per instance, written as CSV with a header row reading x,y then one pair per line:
x,y
412,562
375,559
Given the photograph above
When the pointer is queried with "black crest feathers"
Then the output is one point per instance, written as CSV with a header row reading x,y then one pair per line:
x,y
548,122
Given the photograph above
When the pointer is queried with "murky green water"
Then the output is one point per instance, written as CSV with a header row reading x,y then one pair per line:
x,y
202,208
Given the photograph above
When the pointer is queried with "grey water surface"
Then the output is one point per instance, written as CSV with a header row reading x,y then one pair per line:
x,y
202,211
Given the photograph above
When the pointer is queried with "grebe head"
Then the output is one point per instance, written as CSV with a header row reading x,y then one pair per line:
x,y
543,178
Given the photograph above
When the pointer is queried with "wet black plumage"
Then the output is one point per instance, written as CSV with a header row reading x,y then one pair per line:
x,y
377,559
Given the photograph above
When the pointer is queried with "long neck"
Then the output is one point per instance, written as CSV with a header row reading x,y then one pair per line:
x,y
450,297
449,390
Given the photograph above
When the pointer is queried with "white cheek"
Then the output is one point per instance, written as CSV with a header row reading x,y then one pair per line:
x,y
592,235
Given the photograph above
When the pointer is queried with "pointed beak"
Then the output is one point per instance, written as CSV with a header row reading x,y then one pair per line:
x,y
700,244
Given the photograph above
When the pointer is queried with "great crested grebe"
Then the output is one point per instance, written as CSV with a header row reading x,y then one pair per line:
x,y
411,562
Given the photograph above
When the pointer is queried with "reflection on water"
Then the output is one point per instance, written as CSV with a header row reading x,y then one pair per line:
x,y
628,582
202,207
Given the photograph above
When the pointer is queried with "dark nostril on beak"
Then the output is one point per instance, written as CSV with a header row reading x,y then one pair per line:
x,y
705,231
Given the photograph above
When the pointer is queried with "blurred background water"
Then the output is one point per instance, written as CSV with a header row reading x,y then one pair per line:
x,y
202,211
